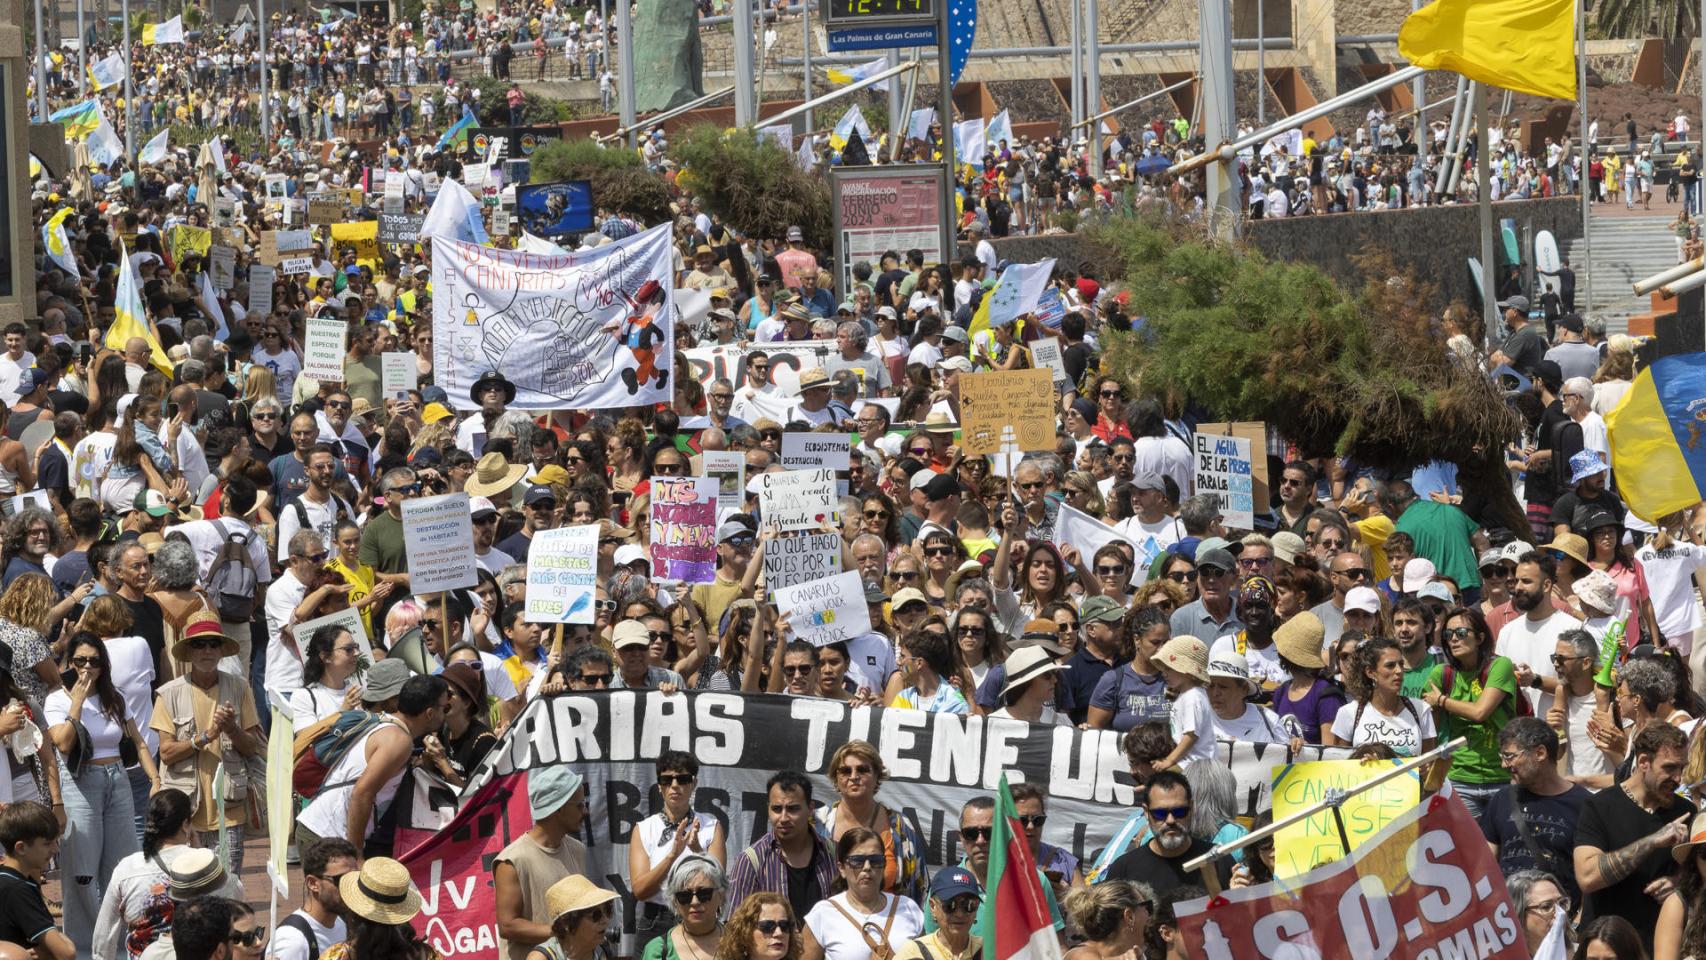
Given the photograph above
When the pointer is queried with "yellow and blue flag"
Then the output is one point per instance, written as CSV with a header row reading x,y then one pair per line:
x,y
80,119
853,121
854,74
58,246
172,31
1658,437
130,318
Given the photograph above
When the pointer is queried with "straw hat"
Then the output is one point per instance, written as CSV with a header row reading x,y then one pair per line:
x,y
1299,640
1571,545
1186,655
1026,664
493,474
939,422
380,892
572,894
203,623
195,873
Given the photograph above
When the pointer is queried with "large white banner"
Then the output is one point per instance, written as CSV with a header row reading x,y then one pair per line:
x,y
569,330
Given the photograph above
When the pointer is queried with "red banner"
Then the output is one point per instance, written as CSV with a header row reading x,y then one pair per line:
x,y
1424,888
452,869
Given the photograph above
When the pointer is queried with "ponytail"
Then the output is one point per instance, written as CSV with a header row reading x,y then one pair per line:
x,y
168,811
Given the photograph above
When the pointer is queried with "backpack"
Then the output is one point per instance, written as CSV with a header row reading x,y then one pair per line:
x,y
299,923
1522,706
339,513
318,749
231,582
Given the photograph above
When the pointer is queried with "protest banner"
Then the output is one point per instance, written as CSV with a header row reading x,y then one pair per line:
x,y
325,210
562,575
261,279
400,227
567,329
296,266
438,537
224,212
793,560
185,240
1020,399
786,361
222,266
684,529
398,372
729,467
936,762
349,618
555,209
807,451
1304,846
798,499
1223,472
1046,353
323,349
1256,432
827,609
1426,886
364,237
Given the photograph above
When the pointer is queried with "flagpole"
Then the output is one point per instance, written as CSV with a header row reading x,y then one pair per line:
x,y
1582,150
1484,201
266,105
129,98
41,66
82,54
806,56
1093,83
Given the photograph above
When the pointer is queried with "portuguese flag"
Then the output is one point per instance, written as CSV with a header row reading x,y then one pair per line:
x,y
1014,922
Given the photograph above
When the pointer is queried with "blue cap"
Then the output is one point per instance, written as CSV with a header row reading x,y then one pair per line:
x,y
434,394
537,493
1583,465
952,882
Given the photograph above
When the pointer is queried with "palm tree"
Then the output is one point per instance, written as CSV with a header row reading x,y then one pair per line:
x,y
1668,19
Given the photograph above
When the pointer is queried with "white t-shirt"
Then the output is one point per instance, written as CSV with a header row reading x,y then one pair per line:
x,y
133,675
650,833
322,517
285,367
1585,759
498,681
10,371
842,940
283,675
1257,725
288,943
1150,540
926,353
208,538
1670,583
311,704
493,561
1166,455
1189,714
1264,662
104,732
1532,642
1404,733
192,460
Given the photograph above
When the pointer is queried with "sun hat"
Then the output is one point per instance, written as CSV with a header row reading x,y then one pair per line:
x,y
434,412
1231,663
1417,572
906,596
203,623
1299,640
489,379
813,377
938,422
197,872
1597,590
494,474
380,892
384,680
549,787
1572,545
630,633
1101,609
1585,464
1287,546
573,894
1186,655
1026,664
466,678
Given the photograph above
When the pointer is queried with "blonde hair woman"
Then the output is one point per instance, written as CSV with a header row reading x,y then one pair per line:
x,y
27,613
857,772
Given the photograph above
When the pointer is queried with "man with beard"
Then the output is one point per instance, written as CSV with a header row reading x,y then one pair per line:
x,y
1255,642
1160,863
1625,834
1530,640
792,859
312,930
1413,628
1533,825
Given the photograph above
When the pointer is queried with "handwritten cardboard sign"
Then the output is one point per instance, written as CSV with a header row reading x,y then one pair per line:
x,y
323,349
438,538
792,560
562,575
1304,846
798,499
1223,471
826,610
1022,400
684,529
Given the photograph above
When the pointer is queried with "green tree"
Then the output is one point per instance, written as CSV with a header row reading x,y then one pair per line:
x,y
620,182
1666,19
1357,373
751,184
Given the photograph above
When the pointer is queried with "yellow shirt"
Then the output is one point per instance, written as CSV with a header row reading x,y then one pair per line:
x,y
938,948
361,579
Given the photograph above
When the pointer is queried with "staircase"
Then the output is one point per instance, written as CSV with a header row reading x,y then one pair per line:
x,y
1625,249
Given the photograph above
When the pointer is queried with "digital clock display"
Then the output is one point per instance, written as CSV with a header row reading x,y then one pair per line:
x,y
863,11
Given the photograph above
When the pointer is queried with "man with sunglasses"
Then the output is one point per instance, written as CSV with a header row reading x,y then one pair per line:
x,y
546,853
735,541
977,824
632,640
1160,863
338,428
1345,572
1210,616
484,516
317,508
1296,489
791,858
382,545
312,930
1532,824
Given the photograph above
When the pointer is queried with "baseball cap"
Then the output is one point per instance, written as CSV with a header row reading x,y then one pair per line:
x,y
955,332
630,633
153,503
1518,302
909,595
1100,609
630,553
921,479
960,364
537,494
732,529
953,882
1148,480
1218,557
1363,599
480,507
941,487
795,235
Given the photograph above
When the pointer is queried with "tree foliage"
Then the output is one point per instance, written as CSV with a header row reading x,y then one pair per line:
x,y
752,184
1362,373
620,182
1666,19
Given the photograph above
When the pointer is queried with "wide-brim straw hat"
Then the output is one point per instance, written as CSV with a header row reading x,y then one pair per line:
x,y
380,892
573,894
1300,639
494,474
1186,655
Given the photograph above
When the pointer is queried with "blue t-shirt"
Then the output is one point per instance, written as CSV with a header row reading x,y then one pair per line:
x,y
988,694
1083,671
1133,697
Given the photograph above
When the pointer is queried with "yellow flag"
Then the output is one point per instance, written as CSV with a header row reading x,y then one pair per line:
x,y
1524,45
130,318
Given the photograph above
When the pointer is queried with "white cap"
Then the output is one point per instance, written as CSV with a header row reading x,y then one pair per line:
x,y
1416,573
124,403
630,553
479,505
921,479
1362,598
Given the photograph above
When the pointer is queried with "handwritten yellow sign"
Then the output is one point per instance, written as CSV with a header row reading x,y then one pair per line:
x,y
992,402
1303,846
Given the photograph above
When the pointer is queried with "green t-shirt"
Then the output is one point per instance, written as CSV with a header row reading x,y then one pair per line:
x,y
1442,533
1478,760
1415,681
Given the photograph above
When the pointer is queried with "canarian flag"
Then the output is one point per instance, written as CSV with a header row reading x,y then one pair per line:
x,y
58,246
454,214
1014,921
852,121
104,144
853,74
109,71
1524,45
969,143
1014,295
1000,128
80,119
1658,437
130,319
918,125
172,31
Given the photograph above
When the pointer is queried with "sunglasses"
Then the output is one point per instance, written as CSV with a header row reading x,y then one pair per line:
x,y
851,771
797,671
905,575
1108,393
977,834
970,629
1032,819
876,514
406,488
768,927
938,551
1459,633
1159,814
860,861
676,779
253,938
700,894
1185,576
594,679
1109,571
85,661
1034,485
263,416
338,404
1354,573
214,643
605,606
965,903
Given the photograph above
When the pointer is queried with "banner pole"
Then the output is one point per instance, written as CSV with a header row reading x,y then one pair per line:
x,y
1221,850
443,624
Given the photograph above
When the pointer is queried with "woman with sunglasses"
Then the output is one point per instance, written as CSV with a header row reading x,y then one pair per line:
x,y
277,354
1604,534
955,900
1111,915
857,772
1475,693
665,842
862,920
1179,569
1065,617
763,927
942,553
1083,493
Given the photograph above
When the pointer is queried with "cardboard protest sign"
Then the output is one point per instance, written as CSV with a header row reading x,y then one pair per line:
x,y
349,618
323,349
1256,432
397,372
792,560
729,467
1223,472
562,575
438,535
296,266
826,610
277,244
325,210
1022,400
798,499
684,529
222,265
806,451
261,279
364,237
1046,353
1302,847
400,227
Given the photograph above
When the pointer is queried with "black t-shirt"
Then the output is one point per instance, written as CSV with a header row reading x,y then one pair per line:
x,y
1550,827
1611,821
1075,357
149,623
1563,436
1167,873
23,913
1572,509
804,891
